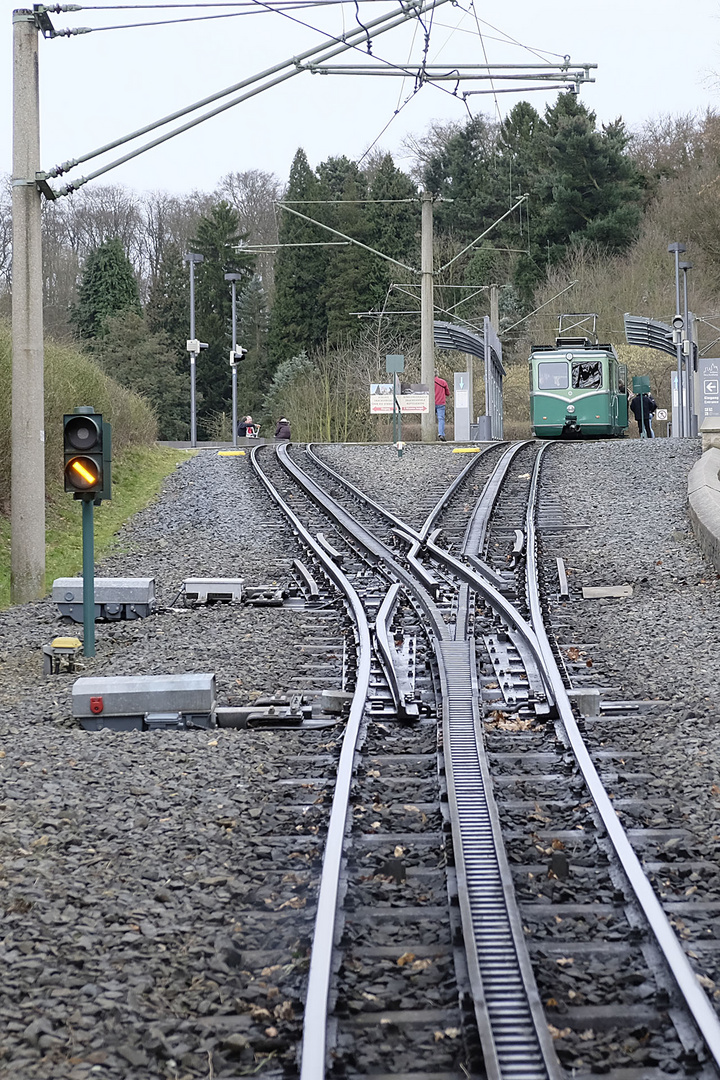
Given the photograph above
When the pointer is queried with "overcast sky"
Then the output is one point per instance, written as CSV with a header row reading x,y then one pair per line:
x,y
654,57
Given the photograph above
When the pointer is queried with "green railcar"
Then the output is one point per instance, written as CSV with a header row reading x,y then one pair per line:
x,y
578,389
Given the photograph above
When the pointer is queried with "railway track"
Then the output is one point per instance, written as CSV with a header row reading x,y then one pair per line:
x,y
490,667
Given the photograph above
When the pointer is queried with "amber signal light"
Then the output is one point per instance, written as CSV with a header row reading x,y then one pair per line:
x,y
82,473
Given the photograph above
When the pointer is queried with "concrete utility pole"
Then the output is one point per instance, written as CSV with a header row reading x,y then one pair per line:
x,y
495,308
689,356
27,580
193,345
233,278
427,316
677,250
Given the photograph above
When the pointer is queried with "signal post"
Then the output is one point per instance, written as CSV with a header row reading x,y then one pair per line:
x,y
87,445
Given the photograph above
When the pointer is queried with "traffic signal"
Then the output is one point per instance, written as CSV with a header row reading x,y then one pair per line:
x,y
86,444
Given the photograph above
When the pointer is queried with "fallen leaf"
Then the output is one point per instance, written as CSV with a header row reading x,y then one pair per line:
x,y
406,958
587,1035
563,961
422,965
556,1033
271,1032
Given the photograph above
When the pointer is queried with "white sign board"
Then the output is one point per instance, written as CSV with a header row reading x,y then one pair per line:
x,y
413,398
661,414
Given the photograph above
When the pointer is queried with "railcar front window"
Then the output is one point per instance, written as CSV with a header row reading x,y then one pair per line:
x,y
587,375
552,376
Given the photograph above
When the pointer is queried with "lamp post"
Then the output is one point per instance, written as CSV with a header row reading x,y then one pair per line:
x,y
192,345
233,278
689,356
677,250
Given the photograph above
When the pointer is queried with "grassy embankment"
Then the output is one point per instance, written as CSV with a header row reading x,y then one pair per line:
x,y
139,465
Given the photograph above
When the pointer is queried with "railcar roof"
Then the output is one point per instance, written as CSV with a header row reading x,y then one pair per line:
x,y
582,350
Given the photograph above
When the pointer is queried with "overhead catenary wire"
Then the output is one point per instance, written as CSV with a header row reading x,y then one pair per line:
x,y
331,47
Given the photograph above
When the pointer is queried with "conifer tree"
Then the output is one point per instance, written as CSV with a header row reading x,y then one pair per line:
x,y
168,306
108,286
254,371
297,320
394,224
348,283
218,237
590,188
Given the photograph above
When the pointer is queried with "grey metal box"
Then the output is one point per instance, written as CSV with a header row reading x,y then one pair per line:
x,y
203,590
115,598
125,702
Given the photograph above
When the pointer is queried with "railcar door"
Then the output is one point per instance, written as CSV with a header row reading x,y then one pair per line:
x,y
613,381
622,396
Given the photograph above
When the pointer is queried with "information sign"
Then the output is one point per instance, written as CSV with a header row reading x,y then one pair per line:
x,y
709,379
413,398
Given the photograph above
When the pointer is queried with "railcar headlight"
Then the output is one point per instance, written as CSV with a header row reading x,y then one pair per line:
x,y
571,408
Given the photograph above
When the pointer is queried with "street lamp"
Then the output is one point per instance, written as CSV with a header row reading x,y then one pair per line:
x,y
690,354
232,278
193,346
677,250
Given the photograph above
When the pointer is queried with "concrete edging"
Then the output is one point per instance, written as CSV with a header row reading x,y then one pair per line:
x,y
704,504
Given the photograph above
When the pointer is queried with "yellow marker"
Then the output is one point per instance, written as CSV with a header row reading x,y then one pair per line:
x,y
231,453
66,643
467,450
84,473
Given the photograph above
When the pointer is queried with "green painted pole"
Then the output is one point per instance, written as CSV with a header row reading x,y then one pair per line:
x,y
88,540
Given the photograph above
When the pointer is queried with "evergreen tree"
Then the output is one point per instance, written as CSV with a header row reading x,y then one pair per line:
x,y
143,361
217,239
297,320
168,306
107,287
394,225
464,172
590,189
348,283
254,371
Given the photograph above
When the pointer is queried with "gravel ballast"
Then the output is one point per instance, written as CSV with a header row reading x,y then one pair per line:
x,y
135,867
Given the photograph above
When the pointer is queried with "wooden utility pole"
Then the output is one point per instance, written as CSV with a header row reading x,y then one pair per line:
x,y
27,579
427,316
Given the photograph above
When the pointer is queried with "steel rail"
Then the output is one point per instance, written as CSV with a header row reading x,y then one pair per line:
x,y
405,705
380,551
405,532
695,998
398,522
508,1012
477,525
315,1020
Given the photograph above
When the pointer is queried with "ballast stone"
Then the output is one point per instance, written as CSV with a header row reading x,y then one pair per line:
x,y
145,702
115,598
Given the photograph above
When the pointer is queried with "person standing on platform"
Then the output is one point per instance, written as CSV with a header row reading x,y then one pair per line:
x,y
442,391
243,426
282,431
642,407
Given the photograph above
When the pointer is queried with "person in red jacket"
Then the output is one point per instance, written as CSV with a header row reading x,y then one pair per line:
x,y
441,392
